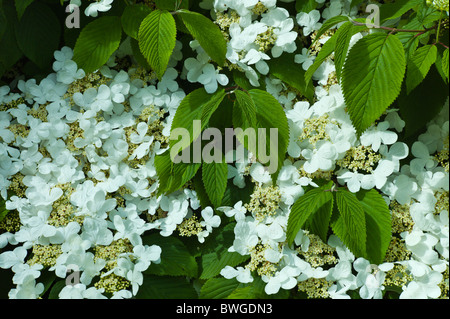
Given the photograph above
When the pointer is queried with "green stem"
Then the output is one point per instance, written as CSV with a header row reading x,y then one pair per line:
x,y
439,28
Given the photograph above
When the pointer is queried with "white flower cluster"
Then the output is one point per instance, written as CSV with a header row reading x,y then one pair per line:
x,y
323,144
77,150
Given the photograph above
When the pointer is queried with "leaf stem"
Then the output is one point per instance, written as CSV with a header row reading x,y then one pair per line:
x,y
393,30
439,28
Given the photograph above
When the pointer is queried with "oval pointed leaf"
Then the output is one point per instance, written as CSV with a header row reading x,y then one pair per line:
x,y
378,224
196,106
132,18
207,34
214,177
445,63
351,224
307,205
38,34
418,66
157,39
270,115
97,42
372,77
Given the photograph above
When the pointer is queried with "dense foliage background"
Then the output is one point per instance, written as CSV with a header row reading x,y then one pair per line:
x,y
93,205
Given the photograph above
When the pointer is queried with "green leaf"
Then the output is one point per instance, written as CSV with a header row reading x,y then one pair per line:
x,y
215,255
56,289
292,74
38,34
173,176
214,176
10,53
97,42
350,227
328,24
378,224
157,39
423,103
132,18
163,287
305,5
324,53
372,77
218,288
269,115
343,37
137,55
418,66
21,6
234,194
319,222
307,205
397,8
207,34
175,257
445,65
200,190
164,170
196,106
3,20
244,111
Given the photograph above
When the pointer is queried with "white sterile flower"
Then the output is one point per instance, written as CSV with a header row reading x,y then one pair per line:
x,y
333,10
402,189
122,294
21,271
396,152
257,58
146,255
291,184
241,39
286,278
168,81
379,176
376,135
323,72
120,87
243,275
370,278
245,237
321,158
9,259
351,179
423,161
421,245
285,38
270,233
238,211
395,121
96,231
299,113
305,59
27,290
425,284
309,21
210,77
99,206
209,220
260,174
61,56
99,6
69,73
